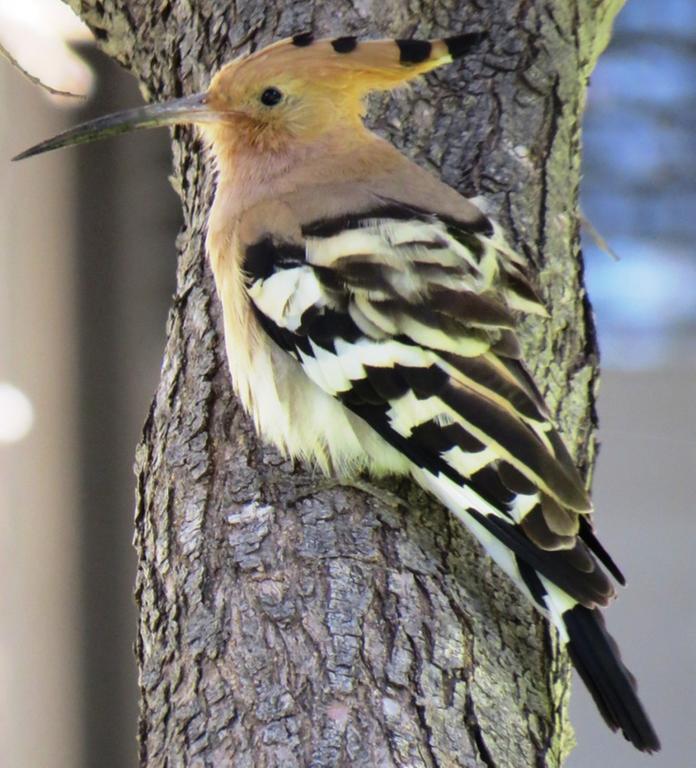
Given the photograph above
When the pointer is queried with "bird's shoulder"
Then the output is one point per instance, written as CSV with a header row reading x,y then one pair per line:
x,y
403,226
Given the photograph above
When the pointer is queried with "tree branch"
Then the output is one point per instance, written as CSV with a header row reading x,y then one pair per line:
x,y
5,54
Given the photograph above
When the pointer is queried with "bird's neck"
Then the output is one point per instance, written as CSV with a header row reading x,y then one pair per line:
x,y
248,174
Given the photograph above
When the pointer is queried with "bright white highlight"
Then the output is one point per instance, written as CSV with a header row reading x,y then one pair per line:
x,y
16,414
37,33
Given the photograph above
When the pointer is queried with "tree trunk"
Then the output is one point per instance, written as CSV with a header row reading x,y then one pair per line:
x,y
284,623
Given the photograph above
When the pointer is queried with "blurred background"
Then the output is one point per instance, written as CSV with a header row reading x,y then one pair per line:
x,y
87,264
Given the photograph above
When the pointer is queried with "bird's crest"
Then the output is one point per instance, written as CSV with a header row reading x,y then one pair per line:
x,y
362,65
301,88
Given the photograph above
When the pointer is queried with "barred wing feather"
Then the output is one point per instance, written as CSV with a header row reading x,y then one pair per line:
x,y
406,317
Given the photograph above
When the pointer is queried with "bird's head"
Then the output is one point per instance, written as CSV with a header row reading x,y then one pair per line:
x,y
297,89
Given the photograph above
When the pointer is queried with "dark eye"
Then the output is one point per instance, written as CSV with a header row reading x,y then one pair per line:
x,y
271,96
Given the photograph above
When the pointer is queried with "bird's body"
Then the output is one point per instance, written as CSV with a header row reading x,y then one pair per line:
x,y
289,410
370,314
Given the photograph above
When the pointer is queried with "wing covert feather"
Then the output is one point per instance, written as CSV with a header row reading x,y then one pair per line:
x,y
407,317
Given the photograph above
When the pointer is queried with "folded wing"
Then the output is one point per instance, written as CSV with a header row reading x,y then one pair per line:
x,y
406,317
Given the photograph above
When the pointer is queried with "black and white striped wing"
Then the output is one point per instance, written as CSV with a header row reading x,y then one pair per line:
x,y
405,318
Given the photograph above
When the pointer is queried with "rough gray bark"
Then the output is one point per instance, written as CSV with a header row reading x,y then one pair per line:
x,y
282,624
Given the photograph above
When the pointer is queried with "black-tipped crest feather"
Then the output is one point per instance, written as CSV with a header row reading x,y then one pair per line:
x,y
460,45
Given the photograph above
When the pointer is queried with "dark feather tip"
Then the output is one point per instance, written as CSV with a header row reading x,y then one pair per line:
x,y
303,39
596,657
460,45
344,44
414,51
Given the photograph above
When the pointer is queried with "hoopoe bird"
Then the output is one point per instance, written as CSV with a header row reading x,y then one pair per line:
x,y
370,313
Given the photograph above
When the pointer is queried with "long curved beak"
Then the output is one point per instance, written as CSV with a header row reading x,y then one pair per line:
x,y
190,109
